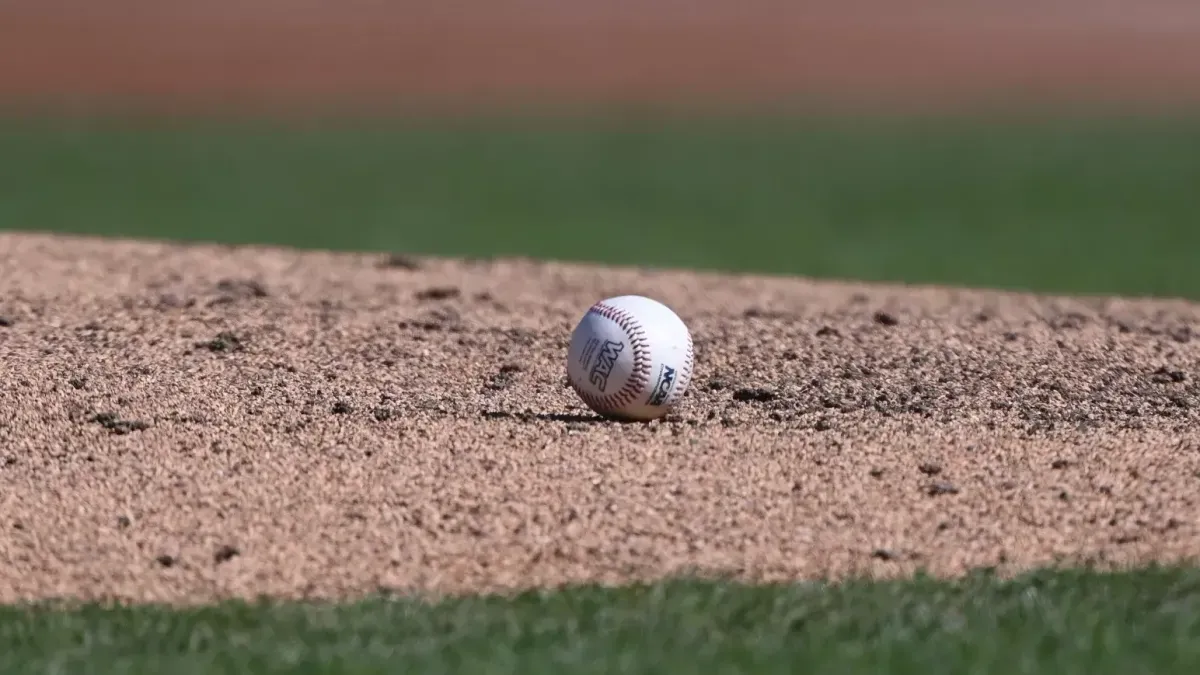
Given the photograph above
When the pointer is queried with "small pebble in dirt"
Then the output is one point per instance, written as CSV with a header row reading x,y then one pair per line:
x,y
166,560
123,522
827,331
341,408
225,554
5,322
876,473
755,394
1059,464
382,414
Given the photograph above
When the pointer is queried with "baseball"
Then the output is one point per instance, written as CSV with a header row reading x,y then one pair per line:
x,y
630,358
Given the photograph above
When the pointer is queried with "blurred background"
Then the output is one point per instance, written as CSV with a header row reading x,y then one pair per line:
x,y
1047,145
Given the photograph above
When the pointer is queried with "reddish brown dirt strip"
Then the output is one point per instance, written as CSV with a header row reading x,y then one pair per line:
x,y
184,424
276,56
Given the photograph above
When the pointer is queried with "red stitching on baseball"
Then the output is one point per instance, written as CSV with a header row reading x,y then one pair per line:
x,y
639,376
685,374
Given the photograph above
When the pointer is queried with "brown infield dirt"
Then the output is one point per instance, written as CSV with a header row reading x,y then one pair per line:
x,y
188,423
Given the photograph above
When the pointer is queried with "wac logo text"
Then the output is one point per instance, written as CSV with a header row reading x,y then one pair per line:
x,y
606,359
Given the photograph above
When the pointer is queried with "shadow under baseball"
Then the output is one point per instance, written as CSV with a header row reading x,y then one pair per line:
x,y
530,416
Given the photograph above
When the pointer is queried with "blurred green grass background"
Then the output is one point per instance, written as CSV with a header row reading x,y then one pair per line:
x,y
1061,205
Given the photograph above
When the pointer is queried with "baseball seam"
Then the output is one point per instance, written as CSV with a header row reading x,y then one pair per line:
x,y
639,376
685,374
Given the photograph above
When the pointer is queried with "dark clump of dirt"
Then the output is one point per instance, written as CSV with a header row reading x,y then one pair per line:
x,y
115,424
885,554
504,378
445,319
400,261
6,322
223,342
755,394
225,553
814,442
1164,375
941,488
234,290
885,319
438,293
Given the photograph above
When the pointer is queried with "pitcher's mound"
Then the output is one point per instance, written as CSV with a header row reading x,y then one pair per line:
x,y
185,423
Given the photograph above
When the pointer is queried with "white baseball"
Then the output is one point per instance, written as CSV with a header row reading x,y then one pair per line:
x,y
630,358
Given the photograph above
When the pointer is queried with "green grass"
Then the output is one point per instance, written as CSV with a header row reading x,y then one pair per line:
x,y
1071,206
1065,623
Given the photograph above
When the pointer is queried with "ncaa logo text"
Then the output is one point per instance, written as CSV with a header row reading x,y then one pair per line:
x,y
665,382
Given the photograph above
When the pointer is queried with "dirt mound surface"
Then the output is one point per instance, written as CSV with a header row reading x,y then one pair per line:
x,y
186,423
